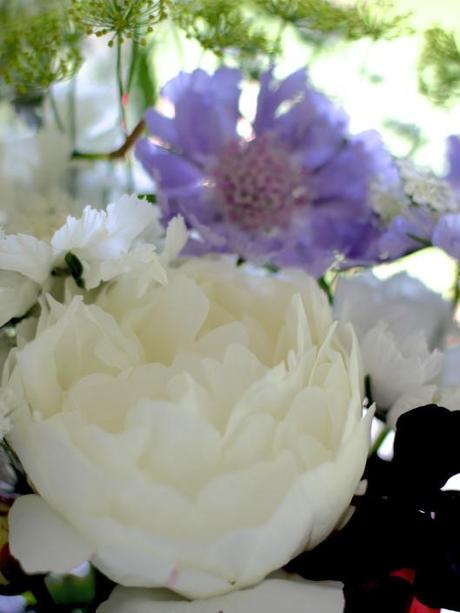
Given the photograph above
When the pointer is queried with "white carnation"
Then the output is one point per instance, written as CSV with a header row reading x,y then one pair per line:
x,y
107,243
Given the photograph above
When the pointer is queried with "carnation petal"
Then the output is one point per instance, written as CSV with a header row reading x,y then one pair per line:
x,y
27,255
271,596
42,540
17,295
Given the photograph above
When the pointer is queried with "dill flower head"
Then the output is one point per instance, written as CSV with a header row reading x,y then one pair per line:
x,y
38,46
121,18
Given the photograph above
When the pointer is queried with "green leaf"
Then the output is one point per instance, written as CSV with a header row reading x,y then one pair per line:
x,y
72,588
152,198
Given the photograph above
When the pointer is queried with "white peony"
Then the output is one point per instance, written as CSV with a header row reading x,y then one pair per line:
x,y
271,596
195,436
400,325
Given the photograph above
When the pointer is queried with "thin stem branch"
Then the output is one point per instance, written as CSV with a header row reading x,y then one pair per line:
x,y
119,153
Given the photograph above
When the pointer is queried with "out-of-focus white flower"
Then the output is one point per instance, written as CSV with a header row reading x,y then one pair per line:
x,y
211,428
404,303
426,189
271,596
400,369
400,325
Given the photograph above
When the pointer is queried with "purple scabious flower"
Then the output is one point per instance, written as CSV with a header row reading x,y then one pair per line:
x,y
296,191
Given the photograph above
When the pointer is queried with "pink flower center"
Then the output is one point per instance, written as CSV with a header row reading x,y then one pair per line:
x,y
258,184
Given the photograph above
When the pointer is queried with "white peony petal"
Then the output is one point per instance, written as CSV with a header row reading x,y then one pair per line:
x,y
17,295
42,540
271,596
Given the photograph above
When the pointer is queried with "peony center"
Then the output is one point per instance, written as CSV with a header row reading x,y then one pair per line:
x,y
258,184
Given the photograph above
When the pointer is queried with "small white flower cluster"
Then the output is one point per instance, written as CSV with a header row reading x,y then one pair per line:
x,y
387,202
426,189
416,186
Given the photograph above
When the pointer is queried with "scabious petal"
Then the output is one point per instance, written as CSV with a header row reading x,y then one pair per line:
x,y
162,127
271,596
42,540
270,98
170,170
453,153
197,96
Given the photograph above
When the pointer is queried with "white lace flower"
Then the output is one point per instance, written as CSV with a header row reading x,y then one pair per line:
x,y
388,201
426,189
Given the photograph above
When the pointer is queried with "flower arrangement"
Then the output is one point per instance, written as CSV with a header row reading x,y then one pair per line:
x,y
214,396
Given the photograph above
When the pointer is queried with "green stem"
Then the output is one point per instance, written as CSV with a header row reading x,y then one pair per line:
x,y
72,121
380,440
121,90
123,122
73,112
456,288
54,109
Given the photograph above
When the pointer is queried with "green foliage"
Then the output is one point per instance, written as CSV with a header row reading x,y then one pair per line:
x,y
141,86
221,26
38,45
120,18
439,67
322,18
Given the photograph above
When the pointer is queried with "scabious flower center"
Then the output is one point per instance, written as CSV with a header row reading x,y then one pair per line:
x,y
257,183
